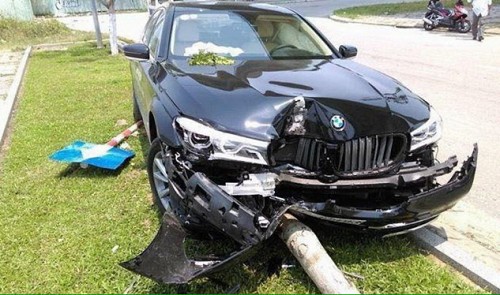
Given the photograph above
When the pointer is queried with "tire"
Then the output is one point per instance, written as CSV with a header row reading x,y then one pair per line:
x,y
135,111
428,27
158,175
463,26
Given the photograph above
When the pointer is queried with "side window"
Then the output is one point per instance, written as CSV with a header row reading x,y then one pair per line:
x,y
148,30
154,42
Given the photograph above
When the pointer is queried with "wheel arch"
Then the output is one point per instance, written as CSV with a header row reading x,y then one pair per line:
x,y
160,123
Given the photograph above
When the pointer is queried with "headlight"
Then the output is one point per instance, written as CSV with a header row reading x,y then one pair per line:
x,y
202,139
428,133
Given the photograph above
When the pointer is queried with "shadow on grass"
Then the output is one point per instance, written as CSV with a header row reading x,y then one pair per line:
x,y
245,277
259,271
144,142
84,53
74,170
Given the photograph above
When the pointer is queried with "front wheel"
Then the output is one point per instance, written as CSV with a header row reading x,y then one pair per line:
x,y
157,163
428,27
463,26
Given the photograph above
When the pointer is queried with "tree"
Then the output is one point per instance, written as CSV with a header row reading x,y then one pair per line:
x,y
97,28
113,38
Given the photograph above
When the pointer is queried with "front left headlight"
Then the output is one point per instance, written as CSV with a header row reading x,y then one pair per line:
x,y
428,133
203,139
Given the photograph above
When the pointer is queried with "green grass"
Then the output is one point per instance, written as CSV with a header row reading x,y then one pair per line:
x,y
391,9
59,223
16,34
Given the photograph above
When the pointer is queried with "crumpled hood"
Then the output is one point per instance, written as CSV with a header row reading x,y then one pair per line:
x,y
252,98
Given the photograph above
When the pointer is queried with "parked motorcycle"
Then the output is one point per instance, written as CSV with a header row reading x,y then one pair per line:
x,y
455,19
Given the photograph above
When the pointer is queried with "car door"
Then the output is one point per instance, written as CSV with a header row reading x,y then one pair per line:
x,y
145,72
152,68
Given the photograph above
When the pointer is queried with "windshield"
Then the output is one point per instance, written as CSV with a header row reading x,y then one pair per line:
x,y
244,35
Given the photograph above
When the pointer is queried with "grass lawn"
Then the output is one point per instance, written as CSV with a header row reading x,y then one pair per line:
x,y
15,34
392,9
59,223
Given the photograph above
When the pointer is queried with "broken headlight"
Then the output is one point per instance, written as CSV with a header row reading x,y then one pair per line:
x,y
428,133
203,139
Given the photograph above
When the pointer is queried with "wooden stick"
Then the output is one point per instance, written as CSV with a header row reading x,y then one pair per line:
x,y
306,247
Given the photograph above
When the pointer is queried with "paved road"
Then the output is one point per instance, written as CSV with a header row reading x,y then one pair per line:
x,y
8,67
324,8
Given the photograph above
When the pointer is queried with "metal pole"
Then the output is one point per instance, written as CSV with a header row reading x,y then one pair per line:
x,y
96,24
306,247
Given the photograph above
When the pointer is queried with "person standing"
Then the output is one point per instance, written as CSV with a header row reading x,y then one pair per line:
x,y
480,9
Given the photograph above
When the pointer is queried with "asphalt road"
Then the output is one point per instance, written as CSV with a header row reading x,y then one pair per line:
x,y
324,8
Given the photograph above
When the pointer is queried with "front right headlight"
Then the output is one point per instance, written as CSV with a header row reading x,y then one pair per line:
x,y
428,133
203,139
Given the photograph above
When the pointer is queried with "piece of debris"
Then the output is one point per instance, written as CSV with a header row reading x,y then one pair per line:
x,y
106,156
115,249
354,275
125,146
121,122
130,287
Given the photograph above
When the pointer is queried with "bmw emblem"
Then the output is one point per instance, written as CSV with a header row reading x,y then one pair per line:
x,y
337,122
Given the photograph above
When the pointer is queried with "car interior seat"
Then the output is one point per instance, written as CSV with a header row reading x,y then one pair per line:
x,y
265,29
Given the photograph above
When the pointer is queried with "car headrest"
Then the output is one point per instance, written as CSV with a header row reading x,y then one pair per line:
x,y
264,28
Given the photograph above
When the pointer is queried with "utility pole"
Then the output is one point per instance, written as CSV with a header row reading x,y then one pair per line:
x,y
96,24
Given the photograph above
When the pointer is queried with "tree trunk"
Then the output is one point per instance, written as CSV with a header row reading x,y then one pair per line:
x,y
97,27
308,250
113,38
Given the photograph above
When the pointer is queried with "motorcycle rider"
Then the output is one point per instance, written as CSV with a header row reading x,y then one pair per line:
x,y
435,3
480,9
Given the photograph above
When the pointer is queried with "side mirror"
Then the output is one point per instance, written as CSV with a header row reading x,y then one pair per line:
x,y
136,51
348,51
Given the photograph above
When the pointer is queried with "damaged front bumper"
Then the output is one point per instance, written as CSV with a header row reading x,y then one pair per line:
x,y
416,211
165,259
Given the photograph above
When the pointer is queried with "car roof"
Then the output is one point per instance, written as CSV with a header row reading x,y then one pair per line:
x,y
231,6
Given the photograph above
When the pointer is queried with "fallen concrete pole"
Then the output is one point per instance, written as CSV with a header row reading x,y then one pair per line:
x,y
306,247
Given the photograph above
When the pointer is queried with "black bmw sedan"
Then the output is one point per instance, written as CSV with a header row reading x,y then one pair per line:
x,y
251,112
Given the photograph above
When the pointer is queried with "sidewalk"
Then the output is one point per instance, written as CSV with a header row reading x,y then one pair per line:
x,y
12,66
414,20
9,62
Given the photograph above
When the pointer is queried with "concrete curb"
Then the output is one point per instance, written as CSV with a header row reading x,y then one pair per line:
x,y
395,24
7,105
365,22
446,251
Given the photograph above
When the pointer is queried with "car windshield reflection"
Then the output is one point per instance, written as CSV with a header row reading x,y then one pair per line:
x,y
244,35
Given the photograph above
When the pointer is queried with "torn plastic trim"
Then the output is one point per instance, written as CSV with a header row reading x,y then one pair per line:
x,y
223,211
165,259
